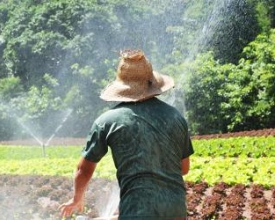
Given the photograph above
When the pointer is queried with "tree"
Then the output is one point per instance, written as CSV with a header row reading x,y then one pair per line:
x,y
251,89
51,38
221,98
204,92
265,14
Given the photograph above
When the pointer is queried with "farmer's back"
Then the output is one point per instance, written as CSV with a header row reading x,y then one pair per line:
x,y
147,141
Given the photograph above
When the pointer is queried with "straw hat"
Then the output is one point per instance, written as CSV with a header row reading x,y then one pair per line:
x,y
136,80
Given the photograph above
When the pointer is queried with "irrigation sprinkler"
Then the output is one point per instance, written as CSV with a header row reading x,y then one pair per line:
x,y
39,141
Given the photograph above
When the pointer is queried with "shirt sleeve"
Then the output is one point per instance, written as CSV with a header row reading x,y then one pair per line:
x,y
96,145
188,149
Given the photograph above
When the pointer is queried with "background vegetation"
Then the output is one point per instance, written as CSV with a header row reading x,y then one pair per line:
x,y
57,55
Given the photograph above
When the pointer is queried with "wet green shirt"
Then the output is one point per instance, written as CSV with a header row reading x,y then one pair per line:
x,y
148,140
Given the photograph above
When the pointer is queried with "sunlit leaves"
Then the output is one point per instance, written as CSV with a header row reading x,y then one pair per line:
x,y
204,92
10,87
238,160
232,170
255,78
253,147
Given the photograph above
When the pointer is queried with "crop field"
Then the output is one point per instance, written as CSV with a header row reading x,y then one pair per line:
x,y
231,178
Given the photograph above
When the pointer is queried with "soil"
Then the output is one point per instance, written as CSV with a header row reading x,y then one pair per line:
x,y
38,197
252,133
30,197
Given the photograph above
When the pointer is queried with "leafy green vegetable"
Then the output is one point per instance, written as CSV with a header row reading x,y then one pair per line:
x,y
235,160
254,147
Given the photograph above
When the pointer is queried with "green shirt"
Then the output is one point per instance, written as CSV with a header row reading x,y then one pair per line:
x,y
148,140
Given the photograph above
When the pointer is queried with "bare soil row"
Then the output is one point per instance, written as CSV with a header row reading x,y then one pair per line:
x,y
38,197
252,133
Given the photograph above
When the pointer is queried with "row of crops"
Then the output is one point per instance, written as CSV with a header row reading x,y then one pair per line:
x,y
235,202
253,147
230,178
233,179
232,160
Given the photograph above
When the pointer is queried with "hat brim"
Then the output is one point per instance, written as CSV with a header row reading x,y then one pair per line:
x,y
121,92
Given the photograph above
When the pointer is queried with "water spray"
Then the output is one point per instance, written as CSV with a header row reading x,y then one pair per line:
x,y
29,131
59,127
40,142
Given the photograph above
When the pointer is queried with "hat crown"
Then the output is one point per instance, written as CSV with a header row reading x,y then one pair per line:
x,y
134,67
136,80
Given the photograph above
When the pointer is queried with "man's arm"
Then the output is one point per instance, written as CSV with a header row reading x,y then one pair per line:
x,y
185,165
84,173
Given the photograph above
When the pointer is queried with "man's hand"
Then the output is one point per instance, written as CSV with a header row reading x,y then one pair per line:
x,y
68,208
85,170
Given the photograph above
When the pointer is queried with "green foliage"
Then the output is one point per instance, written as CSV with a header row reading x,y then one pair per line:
x,y
9,88
59,160
226,97
265,13
71,41
48,38
253,147
64,52
188,31
204,92
39,99
251,88
243,160
211,170
232,170
263,18
235,160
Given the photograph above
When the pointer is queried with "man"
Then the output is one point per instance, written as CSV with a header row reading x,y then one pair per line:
x,y
149,142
